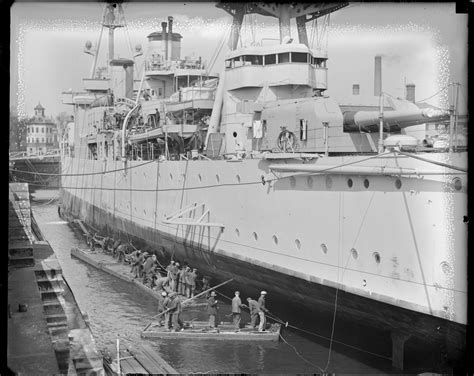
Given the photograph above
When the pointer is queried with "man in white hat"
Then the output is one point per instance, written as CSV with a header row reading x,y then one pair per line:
x,y
263,310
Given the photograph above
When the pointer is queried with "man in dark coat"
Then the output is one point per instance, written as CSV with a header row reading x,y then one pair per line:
x,y
212,310
191,283
161,306
254,308
148,268
236,305
175,310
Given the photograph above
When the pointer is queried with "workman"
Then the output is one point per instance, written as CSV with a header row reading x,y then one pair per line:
x,y
182,280
212,310
133,260
167,313
263,310
191,283
162,284
174,270
236,309
149,268
161,306
206,283
139,262
175,309
254,308
114,248
122,250
168,268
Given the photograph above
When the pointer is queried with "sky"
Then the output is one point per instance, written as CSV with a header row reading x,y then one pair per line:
x,y
420,43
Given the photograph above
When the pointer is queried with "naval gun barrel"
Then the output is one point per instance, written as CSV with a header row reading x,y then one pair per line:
x,y
355,121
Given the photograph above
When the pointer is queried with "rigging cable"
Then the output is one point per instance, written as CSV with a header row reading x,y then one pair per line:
x,y
439,91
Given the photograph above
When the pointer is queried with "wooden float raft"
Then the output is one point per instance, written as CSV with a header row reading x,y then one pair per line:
x,y
142,359
111,266
201,330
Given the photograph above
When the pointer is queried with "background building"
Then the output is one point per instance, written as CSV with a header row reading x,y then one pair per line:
x,y
42,135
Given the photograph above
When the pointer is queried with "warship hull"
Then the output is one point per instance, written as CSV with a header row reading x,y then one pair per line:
x,y
392,249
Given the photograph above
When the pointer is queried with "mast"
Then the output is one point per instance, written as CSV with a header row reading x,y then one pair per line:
x,y
111,21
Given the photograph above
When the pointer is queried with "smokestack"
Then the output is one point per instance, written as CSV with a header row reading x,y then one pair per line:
x,y
163,40
410,92
170,37
378,76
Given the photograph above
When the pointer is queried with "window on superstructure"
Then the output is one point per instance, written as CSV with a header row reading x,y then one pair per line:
x,y
299,57
228,63
253,60
319,63
238,61
270,59
160,91
284,58
355,89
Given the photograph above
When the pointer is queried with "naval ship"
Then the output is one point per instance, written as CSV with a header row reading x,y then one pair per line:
x,y
260,176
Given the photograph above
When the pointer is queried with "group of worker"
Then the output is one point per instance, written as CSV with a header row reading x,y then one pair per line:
x,y
256,308
257,311
145,266
169,306
181,280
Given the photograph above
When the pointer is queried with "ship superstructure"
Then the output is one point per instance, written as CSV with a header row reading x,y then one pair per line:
x,y
288,191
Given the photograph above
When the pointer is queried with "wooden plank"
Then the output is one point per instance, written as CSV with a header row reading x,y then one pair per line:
x,y
147,362
131,365
157,359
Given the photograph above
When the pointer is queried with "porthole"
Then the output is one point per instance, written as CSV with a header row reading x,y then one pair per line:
x,y
457,183
237,232
377,257
234,134
255,236
354,253
349,183
324,248
217,178
398,183
292,181
366,183
199,177
328,182
298,244
275,239
238,178
310,181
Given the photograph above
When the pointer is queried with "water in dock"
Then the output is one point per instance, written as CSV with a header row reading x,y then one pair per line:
x,y
117,308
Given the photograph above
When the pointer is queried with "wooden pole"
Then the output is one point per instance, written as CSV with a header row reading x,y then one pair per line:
x,y
118,358
187,300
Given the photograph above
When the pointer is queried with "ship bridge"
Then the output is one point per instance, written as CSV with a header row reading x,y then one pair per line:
x,y
275,65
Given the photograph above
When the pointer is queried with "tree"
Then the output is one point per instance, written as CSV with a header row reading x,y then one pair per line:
x,y
18,129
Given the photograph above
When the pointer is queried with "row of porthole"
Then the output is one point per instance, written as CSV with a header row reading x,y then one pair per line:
x,y
237,177
457,183
324,248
